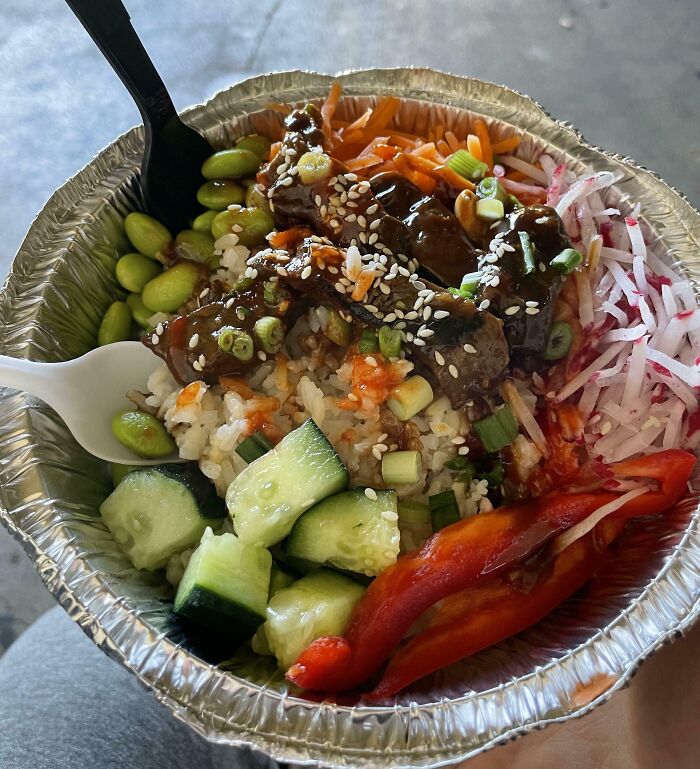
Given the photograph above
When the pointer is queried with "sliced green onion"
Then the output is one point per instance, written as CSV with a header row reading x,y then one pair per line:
x,y
314,167
389,342
491,189
497,430
567,261
236,342
494,476
466,475
338,330
443,509
243,284
401,467
528,253
490,210
271,292
410,397
368,342
470,282
466,165
559,341
411,512
270,333
254,447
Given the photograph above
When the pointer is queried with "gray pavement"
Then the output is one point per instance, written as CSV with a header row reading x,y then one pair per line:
x,y
625,72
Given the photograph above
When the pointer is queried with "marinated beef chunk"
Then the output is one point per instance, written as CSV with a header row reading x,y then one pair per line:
x,y
523,295
189,344
460,348
434,237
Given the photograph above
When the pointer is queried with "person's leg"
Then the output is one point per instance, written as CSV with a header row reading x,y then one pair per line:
x,y
64,704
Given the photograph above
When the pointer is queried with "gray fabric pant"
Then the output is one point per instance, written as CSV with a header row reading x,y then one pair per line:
x,y
65,705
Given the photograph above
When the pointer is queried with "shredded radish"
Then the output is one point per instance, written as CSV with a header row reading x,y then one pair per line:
x,y
616,312
584,187
675,423
582,528
689,374
585,299
580,380
647,315
521,412
635,372
606,212
625,334
528,169
629,289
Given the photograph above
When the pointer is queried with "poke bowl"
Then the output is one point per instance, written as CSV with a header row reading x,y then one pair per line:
x,y
453,315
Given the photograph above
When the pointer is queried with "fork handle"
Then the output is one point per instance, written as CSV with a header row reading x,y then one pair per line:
x,y
108,24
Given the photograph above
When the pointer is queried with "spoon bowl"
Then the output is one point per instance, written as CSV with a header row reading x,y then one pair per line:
x,y
88,391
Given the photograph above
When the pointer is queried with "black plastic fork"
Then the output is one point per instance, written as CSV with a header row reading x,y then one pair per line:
x,y
174,152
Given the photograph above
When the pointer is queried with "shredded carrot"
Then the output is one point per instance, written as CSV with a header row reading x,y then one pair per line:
x,y
363,162
329,106
453,141
483,134
474,146
385,151
362,285
444,148
506,145
439,131
424,183
361,121
288,240
427,151
236,385
438,172
274,150
383,113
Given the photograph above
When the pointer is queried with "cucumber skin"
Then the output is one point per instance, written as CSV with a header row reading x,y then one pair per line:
x,y
210,505
233,621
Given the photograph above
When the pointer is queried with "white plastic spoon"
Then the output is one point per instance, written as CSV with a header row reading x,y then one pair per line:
x,y
88,391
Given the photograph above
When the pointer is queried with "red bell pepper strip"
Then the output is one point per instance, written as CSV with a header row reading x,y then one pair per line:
x,y
484,614
453,558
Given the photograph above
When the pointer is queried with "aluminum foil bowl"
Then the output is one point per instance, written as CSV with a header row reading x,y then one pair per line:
x,y
50,489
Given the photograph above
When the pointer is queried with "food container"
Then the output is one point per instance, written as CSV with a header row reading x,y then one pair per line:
x,y
61,283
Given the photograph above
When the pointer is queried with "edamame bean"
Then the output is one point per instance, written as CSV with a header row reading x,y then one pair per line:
x,y
197,246
116,324
139,310
256,198
135,270
203,222
142,433
260,145
256,224
172,288
119,472
219,194
230,164
147,235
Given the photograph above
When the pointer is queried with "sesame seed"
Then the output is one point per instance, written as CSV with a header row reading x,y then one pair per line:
x,y
425,332
229,303
333,270
427,312
411,315
281,271
469,348
240,313
351,177
440,314
371,360
261,355
491,258
495,280
159,329
373,208
409,336
305,272
418,303
353,397
333,181
194,341
429,297
390,515
287,181
463,450
384,288
484,305
391,316
507,247
155,339
353,195
512,310
346,281
381,447
541,267
400,325
202,361
196,366
363,237
370,308
373,238
458,440
403,271
531,310
340,288
453,371
419,342
440,358
362,221
323,211
371,494
339,188
281,168
531,304
203,293
350,218
318,201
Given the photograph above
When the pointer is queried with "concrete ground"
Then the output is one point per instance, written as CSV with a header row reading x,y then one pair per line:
x,y
626,72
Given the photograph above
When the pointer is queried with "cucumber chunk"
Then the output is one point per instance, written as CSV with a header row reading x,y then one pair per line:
x,y
317,605
225,586
349,531
158,511
266,498
279,579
